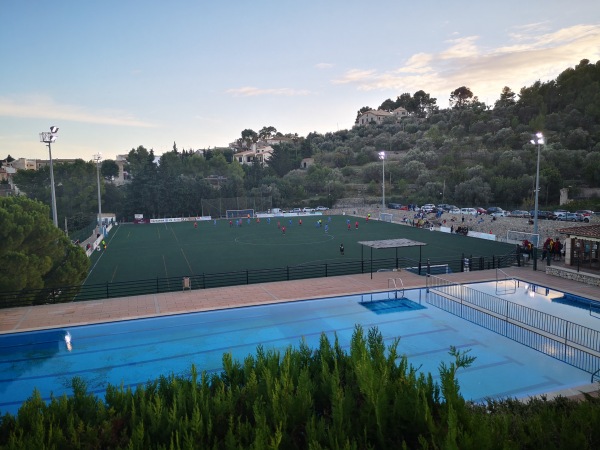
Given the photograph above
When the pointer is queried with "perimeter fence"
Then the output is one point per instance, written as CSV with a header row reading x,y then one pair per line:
x,y
569,342
250,276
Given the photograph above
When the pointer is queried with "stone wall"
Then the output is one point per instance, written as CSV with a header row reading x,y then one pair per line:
x,y
569,274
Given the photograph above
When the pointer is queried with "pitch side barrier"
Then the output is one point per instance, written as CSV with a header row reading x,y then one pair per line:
x,y
569,342
236,278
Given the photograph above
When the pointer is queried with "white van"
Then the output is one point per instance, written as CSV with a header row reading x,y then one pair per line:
x,y
468,211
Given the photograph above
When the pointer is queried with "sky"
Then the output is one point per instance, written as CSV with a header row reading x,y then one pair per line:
x,y
117,74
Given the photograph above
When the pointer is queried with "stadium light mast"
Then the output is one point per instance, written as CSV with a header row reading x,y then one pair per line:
x,y
98,159
382,158
538,139
48,137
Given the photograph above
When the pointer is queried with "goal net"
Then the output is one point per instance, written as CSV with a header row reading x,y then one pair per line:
x,y
239,213
517,237
386,217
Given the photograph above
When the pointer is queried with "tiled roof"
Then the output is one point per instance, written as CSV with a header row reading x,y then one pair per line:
x,y
591,231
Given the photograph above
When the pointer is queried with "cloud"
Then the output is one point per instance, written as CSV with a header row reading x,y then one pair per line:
x,y
531,53
250,91
323,66
43,107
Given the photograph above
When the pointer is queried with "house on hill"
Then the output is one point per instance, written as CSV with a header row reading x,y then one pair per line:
x,y
378,116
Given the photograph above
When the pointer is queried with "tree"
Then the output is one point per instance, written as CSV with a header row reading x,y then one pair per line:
x,y
461,97
109,169
249,137
267,132
34,254
507,98
423,104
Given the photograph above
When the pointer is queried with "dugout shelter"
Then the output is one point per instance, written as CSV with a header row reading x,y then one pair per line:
x,y
390,243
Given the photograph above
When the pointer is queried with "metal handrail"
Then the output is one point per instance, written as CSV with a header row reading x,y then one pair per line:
x,y
506,278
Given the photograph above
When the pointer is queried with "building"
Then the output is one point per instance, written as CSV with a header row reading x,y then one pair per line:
x,y
582,246
379,116
257,154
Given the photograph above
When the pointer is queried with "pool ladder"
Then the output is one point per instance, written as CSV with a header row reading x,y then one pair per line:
x,y
397,285
503,277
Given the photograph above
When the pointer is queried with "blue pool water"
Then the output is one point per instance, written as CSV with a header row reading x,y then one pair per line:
x,y
130,353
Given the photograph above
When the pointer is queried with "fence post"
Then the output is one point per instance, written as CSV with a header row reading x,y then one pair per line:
x,y
419,267
462,262
107,293
428,267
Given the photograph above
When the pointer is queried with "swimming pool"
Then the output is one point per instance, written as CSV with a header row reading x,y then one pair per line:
x,y
132,352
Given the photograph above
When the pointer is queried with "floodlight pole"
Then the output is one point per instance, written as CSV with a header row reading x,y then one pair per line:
x,y
382,158
538,139
48,137
97,159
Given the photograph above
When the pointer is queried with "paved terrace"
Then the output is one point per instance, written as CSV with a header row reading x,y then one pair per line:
x,y
109,310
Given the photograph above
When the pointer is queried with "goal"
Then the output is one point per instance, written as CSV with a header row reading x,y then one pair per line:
x,y
386,217
517,237
239,213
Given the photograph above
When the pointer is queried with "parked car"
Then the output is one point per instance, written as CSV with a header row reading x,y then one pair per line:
x,y
468,211
454,210
560,214
499,213
493,209
481,210
428,208
321,208
548,215
296,210
574,217
519,213
308,210
585,212
394,206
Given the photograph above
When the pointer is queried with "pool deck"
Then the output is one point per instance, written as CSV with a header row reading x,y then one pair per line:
x,y
109,310
124,308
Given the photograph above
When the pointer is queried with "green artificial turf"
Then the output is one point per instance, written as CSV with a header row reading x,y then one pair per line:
x,y
145,251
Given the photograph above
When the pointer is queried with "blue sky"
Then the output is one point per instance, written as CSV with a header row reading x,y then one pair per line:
x,y
114,75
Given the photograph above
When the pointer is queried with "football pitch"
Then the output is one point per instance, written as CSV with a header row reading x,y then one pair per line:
x,y
145,251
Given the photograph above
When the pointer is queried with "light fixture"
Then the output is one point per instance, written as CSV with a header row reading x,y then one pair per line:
x,y
382,158
48,138
98,159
